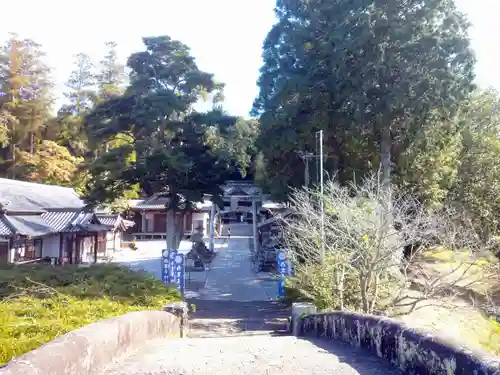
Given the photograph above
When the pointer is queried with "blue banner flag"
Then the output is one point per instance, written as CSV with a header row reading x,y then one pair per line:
x,y
179,268
167,266
282,265
173,268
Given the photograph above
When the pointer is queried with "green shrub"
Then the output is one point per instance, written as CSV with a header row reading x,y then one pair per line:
x,y
39,302
317,283
292,295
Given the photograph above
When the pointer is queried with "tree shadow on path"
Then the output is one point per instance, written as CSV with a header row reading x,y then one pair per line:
x,y
213,318
364,362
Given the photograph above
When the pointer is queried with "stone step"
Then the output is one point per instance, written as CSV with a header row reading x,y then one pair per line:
x,y
232,318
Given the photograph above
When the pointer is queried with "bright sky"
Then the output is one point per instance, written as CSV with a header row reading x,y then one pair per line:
x,y
225,36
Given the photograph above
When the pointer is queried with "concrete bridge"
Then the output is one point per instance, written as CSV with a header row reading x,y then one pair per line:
x,y
237,327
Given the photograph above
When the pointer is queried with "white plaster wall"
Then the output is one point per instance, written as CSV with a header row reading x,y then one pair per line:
x,y
87,253
113,241
50,246
110,243
118,240
204,216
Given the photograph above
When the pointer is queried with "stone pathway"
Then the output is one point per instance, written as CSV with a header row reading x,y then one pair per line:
x,y
238,327
235,300
231,277
248,355
219,318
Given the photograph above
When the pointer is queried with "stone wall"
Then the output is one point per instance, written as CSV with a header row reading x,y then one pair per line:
x,y
90,348
413,351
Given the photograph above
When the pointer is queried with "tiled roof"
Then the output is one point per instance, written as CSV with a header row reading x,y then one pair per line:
x,y
94,227
278,218
159,203
4,228
108,219
35,225
236,190
134,202
29,225
241,189
25,197
114,221
82,219
59,221
153,203
67,221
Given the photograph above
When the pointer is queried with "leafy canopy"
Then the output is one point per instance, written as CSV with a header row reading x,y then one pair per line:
x,y
167,147
368,73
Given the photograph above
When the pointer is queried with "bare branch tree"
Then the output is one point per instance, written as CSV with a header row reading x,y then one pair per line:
x,y
372,265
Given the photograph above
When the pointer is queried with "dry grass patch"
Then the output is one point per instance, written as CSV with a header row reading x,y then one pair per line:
x,y
460,315
458,322
479,274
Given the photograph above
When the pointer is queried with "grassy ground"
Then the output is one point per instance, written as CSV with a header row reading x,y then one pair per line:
x,y
461,319
40,302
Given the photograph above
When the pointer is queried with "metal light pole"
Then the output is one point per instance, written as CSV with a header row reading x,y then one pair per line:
x,y
321,203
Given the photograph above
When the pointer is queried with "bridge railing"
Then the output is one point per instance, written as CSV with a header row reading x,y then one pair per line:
x,y
413,351
88,350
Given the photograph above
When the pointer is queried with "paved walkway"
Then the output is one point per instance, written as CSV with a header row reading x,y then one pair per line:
x,y
235,330
248,355
231,277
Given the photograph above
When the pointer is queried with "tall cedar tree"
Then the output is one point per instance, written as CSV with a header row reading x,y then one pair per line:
x,y
25,100
366,72
111,77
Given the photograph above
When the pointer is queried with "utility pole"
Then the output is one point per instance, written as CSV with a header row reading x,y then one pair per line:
x,y
305,156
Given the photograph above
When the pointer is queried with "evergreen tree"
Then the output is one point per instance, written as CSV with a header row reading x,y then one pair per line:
x,y
111,77
81,84
477,189
168,149
26,99
367,73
